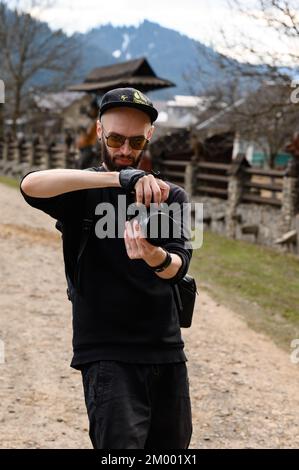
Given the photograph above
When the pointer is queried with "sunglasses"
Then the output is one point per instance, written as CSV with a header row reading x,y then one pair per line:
x,y
115,141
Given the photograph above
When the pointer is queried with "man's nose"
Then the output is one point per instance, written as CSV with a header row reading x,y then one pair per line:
x,y
126,148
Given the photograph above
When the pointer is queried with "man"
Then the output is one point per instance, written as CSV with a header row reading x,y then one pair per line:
x,y
126,339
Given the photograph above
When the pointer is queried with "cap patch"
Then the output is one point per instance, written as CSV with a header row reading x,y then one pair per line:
x,y
138,97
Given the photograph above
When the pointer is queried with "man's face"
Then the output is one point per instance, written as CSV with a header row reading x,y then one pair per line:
x,y
127,122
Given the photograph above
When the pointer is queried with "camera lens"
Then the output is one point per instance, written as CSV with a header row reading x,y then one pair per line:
x,y
157,226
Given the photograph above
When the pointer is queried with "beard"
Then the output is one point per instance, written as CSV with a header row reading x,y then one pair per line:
x,y
110,160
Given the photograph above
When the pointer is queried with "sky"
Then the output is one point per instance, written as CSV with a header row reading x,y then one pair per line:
x,y
202,20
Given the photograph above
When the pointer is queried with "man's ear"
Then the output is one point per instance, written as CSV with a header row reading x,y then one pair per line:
x,y
150,132
99,129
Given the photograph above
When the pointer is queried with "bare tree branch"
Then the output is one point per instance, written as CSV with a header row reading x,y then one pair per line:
x,y
30,49
264,114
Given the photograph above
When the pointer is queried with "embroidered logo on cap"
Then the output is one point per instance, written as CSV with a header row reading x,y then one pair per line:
x,y
138,97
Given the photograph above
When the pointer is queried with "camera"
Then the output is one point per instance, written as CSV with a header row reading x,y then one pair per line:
x,y
156,224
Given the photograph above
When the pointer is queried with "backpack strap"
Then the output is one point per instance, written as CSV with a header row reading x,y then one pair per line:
x,y
59,226
87,224
73,274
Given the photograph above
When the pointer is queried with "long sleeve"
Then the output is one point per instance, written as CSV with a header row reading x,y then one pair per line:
x,y
65,206
180,245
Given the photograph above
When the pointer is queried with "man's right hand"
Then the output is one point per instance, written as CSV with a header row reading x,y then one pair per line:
x,y
128,177
148,188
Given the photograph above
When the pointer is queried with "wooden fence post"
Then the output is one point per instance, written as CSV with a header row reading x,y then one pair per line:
x,y
235,190
190,177
56,156
290,196
40,155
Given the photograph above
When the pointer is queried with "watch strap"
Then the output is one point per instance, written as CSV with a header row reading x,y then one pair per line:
x,y
161,267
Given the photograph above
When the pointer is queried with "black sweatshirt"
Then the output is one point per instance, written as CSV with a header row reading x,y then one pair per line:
x,y
124,310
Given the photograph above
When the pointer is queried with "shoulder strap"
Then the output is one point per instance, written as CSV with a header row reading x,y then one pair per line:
x,y
87,223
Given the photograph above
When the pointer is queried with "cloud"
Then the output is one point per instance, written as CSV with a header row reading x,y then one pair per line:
x,y
194,18
199,19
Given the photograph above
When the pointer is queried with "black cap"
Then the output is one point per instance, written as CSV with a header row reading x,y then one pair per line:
x,y
129,97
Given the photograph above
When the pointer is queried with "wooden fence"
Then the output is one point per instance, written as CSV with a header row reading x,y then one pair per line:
x,y
17,158
234,183
240,185
212,179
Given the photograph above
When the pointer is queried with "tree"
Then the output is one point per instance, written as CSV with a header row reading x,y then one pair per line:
x,y
262,88
33,58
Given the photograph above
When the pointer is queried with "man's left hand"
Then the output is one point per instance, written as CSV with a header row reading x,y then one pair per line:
x,y
136,244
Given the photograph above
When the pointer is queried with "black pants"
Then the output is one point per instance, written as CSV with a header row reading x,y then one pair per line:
x,y
138,406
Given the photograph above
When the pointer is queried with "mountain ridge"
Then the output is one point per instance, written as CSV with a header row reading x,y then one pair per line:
x,y
170,53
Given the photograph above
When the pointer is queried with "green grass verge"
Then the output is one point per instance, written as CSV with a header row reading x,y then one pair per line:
x,y
12,182
258,282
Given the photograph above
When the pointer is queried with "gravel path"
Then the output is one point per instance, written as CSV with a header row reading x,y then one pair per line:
x,y
243,388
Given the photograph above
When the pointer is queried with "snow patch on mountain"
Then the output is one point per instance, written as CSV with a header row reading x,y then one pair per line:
x,y
126,42
116,53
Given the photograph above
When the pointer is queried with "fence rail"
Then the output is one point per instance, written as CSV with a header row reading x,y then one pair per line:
x,y
265,172
261,200
214,166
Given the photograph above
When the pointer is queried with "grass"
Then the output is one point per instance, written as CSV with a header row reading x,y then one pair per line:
x,y
12,182
258,282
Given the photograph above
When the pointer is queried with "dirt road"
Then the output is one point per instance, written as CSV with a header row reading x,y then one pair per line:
x,y
244,389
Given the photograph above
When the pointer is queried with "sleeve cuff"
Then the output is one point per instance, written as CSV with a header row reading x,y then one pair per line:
x,y
182,270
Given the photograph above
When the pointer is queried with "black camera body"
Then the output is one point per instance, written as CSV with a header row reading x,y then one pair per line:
x,y
156,224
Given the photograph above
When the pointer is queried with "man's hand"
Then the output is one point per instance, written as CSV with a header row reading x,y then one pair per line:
x,y
148,188
136,244
128,177
139,248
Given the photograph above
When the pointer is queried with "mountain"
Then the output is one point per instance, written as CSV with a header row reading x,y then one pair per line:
x,y
170,53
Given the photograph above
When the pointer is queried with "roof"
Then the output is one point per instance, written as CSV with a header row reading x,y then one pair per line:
x,y
188,101
133,73
54,101
138,67
215,118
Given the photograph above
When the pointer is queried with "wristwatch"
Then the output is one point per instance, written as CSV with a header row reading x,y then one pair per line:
x,y
161,267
